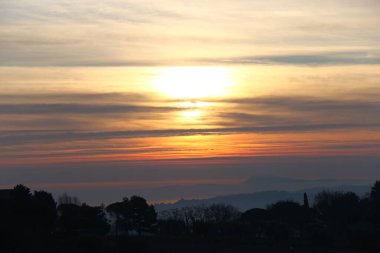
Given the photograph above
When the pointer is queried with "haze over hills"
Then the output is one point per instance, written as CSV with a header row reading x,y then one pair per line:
x,y
254,184
260,191
176,191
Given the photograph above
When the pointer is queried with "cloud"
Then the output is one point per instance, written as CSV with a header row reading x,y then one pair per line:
x,y
83,97
33,61
354,146
147,33
243,119
7,137
307,103
311,59
265,114
240,117
84,151
83,11
79,109
81,103
296,112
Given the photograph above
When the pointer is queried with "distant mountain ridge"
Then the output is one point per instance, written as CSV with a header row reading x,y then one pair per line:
x,y
253,184
261,199
269,183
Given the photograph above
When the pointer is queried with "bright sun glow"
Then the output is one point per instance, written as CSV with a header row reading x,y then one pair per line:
x,y
191,114
193,82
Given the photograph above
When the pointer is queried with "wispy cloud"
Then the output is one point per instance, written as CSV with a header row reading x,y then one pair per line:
x,y
146,33
239,115
308,103
8,137
307,59
79,109
299,111
300,59
79,96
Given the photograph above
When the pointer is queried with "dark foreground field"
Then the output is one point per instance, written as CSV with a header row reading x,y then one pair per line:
x,y
185,245
241,247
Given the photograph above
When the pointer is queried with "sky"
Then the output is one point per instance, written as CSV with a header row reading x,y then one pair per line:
x,y
170,99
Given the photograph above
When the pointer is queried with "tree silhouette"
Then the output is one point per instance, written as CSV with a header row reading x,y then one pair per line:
x,y
93,220
221,213
67,199
45,212
142,215
200,219
287,211
337,207
22,213
305,201
375,205
255,222
69,218
338,210
256,214
26,217
375,192
84,219
133,214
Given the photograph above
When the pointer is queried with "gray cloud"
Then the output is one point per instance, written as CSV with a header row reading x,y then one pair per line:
x,y
299,111
80,111
309,103
78,108
32,61
7,137
80,103
354,146
310,59
83,152
242,115
244,119
307,59
83,97
83,12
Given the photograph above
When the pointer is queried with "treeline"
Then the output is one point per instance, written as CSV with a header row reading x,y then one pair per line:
x,y
335,218
34,221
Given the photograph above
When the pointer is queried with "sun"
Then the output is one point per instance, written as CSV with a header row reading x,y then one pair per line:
x,y
192,82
